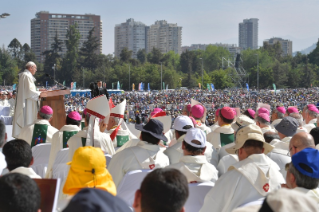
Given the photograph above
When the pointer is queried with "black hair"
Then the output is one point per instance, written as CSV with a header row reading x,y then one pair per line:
x,y
19,193
164,190
70,121
149,138
269,136
180,133
227,121
193,150
315,134
253,147
17,153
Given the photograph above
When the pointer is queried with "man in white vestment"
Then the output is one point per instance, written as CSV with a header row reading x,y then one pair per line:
x,y
97,107
252,178
198,112
299,118
19,158
193,164
4,101
61,137
263,121
310,114
303,173
41,130
286,129
26,109
145,155
277,115
12,103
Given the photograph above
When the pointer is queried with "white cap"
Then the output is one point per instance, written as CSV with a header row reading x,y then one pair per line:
x,y
195,134
182,121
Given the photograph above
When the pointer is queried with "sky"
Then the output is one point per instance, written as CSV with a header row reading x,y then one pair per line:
x,y
203,21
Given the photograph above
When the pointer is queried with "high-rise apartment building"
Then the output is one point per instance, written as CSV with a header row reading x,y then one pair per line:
x,y
164,36
248,34
45,25
131,35
286,45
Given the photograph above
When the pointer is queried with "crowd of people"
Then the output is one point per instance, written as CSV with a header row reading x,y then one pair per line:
x,y
260,153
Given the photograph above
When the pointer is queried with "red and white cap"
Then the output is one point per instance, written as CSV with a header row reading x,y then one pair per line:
x,y
118,110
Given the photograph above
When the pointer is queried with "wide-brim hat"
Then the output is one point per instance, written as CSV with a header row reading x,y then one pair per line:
x,y
166,121
242,120
153,127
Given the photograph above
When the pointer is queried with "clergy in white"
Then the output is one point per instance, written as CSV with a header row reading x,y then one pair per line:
x,y
310,114
199,114
145,155
60,138
193,163
41,131
287,128
250,179
277,115
26,109
263,121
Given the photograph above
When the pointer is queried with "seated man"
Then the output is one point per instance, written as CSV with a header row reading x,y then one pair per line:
x,y
41,131
61,137
303,173
194,164
162,190
299,142
277,115
310,114
224,134
198,112
263,121
286,129
19,158
299,119
145,155
19,193
252,178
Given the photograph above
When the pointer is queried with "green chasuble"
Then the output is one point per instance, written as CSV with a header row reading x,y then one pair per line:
x,y
122,139
66,136
39,134
226,139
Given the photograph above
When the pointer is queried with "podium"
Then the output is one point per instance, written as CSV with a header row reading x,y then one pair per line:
x,y
55,99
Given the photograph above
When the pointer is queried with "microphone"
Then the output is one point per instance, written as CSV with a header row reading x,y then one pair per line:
x,y
64,87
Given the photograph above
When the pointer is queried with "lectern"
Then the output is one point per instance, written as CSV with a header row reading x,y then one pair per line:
x,y
55,99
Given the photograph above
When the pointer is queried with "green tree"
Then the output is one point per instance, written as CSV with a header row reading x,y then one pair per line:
x,y
125,55
221,79
15,48
141,55
314,55
88,52
155,56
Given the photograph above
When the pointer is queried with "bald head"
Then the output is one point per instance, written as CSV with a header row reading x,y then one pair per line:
x,y
300,141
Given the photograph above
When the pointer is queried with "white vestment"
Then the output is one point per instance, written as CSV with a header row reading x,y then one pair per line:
x,y
313,194
214,127
267,129
226,162
196,169
5,103
104,142
120,132
203,127
26,171
12,103
27,132
214,137
310,125
57,145
142,156
27,103
246,181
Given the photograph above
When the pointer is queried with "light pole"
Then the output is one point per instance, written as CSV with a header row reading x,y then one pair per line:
x,y
4,15
129,77
83,76
202,73
161,78
257,71
54,67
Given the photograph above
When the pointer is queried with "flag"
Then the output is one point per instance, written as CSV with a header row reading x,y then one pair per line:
x,y
71,85
167,87
274,87
148,86
247,86
142,86
199,85
112,86
14,87
118,85
64,83
46,84
163,85
74,85
133,87
208,87
213,87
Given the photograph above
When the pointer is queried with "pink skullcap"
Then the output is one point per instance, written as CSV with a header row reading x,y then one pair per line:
x,y
313,108
263,110
198,111
156,110
75,116
217,112
193,120
227,113
234,110
251,112
292,110
46,110
189,107
85,111
281,109
264,116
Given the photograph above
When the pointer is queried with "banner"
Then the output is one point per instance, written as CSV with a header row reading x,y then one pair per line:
x,y
208,87
148,86
46,85
139,86
247,86
64,83
199,85
74,85
167,87
133,87
71,85
118,85
14,87
163,86
274,87
213,87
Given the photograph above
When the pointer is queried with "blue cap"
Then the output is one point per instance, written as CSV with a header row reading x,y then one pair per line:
x,y
306,161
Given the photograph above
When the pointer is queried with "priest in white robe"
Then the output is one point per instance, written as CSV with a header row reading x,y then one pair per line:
x,y
26,109
310,114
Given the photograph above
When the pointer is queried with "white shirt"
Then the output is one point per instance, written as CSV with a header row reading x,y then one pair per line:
x,y
196,169
26,171
246,181
142,156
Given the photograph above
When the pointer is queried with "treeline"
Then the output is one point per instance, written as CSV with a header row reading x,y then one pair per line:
x,y
85,65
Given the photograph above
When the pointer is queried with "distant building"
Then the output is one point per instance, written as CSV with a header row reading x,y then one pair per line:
x,y
248,34
286,45
131,35
164,36
45,25
232,48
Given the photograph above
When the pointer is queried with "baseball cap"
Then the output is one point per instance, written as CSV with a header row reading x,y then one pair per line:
x,y
249,132
242,120
182,121
288,126
306,161
195,134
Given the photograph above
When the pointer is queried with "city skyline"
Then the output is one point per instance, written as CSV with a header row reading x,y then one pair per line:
x,y
203,22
